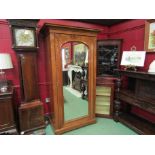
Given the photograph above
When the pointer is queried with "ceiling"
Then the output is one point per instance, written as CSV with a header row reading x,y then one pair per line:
x,y
104,22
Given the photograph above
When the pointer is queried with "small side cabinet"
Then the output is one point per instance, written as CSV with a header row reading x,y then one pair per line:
x,y
7,118
104,97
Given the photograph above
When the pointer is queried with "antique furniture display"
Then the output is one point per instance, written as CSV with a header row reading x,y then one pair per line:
x,y
138,92
7,111
104,96
31,116
65,97
108,56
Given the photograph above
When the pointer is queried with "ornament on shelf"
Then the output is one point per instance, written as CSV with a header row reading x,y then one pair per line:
x,y
152,67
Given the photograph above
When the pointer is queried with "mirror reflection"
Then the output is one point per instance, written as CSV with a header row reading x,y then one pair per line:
x,y
75,78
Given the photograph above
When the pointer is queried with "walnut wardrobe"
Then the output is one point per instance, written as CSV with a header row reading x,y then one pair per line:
x,y
78,58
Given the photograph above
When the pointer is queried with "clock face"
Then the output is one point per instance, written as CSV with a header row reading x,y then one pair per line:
x,y
24,37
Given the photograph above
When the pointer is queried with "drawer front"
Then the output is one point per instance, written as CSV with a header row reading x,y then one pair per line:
x,y
100,90
6,113
102,100
103,109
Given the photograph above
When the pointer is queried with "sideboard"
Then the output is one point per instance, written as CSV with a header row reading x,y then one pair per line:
x,y
138,90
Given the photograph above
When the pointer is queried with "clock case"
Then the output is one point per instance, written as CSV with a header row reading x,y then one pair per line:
x,y
30,110
27,25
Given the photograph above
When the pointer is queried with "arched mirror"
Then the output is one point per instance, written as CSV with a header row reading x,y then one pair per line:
x,y
71,74
75,80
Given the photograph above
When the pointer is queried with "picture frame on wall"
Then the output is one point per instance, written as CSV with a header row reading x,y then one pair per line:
x,y
149,41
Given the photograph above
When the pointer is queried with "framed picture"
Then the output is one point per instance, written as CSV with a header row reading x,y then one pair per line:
x,y
80,54
133,58
149,42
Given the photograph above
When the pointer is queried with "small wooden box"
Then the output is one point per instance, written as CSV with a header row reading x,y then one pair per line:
x,y
31,117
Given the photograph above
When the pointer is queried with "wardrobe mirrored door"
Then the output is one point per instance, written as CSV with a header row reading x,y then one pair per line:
x,y
75,89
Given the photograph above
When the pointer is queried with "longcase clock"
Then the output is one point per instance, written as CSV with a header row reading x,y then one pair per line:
x,y
25,43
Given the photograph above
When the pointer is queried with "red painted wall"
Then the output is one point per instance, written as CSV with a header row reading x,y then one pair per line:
x,y
13,74
132,33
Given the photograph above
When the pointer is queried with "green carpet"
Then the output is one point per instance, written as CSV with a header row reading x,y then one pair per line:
x,y
102,127
74,107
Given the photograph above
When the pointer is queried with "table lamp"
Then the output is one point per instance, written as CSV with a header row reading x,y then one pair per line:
x,y
5,63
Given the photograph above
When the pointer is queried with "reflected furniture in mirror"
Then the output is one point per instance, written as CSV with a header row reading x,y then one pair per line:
x,y
69,106
75,103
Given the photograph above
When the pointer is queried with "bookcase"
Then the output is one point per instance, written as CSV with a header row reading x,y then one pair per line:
x,y
104,96
108,56
138,91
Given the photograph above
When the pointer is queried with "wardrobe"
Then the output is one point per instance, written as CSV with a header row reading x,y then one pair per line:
x,y
83,55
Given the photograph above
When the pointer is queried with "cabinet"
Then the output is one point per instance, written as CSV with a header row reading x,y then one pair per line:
x,y
104,96
7,117
55,36
108,56
139,91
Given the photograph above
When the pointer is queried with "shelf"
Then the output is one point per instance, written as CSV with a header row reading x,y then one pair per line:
x,y
102,109
138,124
129,97
138,93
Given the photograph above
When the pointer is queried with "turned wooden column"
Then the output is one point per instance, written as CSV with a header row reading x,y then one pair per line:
x,y
117,103
84,84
